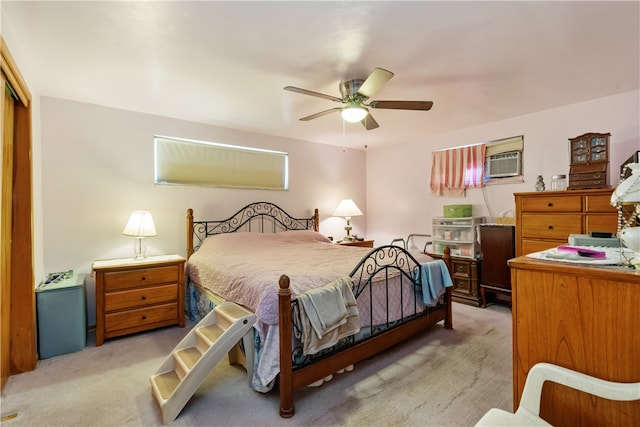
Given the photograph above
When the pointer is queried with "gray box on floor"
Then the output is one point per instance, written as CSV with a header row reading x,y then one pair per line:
x,y
62,318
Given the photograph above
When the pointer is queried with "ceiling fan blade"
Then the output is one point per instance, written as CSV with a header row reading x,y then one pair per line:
x,y
402,105
312,93
374,82
369,122
320,114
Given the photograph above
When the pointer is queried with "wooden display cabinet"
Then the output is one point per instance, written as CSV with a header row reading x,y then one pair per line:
x,y
589,161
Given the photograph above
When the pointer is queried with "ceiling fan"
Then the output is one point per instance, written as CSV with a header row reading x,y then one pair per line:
x,y
355,94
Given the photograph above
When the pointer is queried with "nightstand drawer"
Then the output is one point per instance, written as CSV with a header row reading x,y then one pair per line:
x,y
140,277
122,300
462,286
140,318
461,269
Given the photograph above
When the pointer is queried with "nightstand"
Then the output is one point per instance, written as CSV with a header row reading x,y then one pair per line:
x,y
360,243
137,295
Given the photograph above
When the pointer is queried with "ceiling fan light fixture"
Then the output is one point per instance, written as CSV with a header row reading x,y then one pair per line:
x,y
354,112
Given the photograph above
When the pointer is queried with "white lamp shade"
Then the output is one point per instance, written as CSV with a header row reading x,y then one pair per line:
x,y
630,237
628,191
353,113
347,208
140,224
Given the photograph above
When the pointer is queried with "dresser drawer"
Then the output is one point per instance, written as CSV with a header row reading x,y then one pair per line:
x,y
135,298
599,203
563,203
530,246
551,226
140,318
601,222
140,277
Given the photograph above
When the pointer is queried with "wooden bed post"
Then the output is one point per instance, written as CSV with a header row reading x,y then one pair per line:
x,y
286,364
189,232
316,220
446,257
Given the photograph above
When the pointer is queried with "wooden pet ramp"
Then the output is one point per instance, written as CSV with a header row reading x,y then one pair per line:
x,y
184,370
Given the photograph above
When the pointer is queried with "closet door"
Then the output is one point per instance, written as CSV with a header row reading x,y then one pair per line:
x,y
6,155
17,313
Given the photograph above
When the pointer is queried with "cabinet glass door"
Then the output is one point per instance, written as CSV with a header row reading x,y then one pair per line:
x,y
598,149
579,151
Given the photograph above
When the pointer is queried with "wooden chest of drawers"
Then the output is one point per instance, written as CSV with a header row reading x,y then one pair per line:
x,y
137,295
546,219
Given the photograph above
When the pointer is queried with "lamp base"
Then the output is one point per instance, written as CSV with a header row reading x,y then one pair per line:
x,y
139,248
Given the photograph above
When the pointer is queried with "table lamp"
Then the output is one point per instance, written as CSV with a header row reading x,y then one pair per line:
x,y
140,226
626,199
347,209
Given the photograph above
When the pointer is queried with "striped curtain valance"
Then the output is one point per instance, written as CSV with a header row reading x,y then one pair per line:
x,y
456,169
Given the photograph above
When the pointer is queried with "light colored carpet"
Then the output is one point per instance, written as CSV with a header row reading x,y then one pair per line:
x,y
440,378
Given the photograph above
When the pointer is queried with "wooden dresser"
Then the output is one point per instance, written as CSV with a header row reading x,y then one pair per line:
x,y
545,219
137,295
583,318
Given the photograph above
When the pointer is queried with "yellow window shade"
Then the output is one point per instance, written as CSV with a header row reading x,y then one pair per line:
x,y
506,145
188,162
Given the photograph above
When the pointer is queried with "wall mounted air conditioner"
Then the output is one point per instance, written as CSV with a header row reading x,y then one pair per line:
x,y
503,165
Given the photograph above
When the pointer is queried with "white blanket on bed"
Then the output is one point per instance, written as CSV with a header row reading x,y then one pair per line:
x,y
327,315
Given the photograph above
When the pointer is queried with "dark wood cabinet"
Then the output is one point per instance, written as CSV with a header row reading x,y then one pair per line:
x,y
497,246
465,278
589,161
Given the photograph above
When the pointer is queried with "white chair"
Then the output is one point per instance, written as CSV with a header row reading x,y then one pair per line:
x,y
528,413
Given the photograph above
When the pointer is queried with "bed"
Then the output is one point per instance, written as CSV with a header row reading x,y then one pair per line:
x,y
283,260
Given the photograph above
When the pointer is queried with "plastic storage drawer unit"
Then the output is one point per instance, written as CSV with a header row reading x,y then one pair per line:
x,y
62,319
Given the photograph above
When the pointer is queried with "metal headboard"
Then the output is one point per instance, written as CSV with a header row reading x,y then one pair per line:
x,y
257,217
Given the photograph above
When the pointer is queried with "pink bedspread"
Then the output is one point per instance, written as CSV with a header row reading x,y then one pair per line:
x,y
245,267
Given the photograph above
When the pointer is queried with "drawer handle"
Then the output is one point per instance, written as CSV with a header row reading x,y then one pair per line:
x,y
144,297
144,317
550,227
549,204
143,278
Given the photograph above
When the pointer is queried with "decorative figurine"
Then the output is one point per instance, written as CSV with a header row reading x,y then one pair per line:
x,y
539,183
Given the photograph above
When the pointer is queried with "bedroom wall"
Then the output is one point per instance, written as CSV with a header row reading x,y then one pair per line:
x,y
97,168
399,201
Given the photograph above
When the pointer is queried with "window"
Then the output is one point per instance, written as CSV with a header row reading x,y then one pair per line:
x,y
189,162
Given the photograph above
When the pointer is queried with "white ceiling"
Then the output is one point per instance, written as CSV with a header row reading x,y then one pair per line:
x,y
226,63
